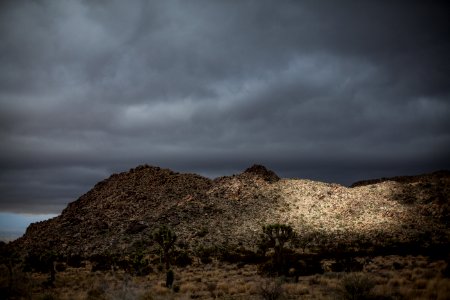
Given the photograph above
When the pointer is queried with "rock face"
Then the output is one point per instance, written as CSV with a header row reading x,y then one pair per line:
x,y
122,211
262,172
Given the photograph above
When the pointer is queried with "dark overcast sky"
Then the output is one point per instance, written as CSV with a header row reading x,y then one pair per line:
x,y
330,90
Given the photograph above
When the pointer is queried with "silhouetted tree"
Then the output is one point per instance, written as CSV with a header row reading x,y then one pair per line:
x,y
48,259
165,237
169,278
276,236
42,261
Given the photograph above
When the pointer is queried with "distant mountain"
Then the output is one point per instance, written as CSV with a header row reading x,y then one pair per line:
x,y
432,177
121,212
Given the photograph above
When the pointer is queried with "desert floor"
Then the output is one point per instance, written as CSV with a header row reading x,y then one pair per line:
x,y
387,277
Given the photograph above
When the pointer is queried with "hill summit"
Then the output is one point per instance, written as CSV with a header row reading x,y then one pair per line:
x,y
120,213
262,172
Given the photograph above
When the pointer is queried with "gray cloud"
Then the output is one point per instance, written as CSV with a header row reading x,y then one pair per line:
x,y
317,90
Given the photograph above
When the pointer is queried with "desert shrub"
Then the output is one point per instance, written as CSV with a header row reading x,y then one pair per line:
x,y
250,257
48,296
308,238
60,267
182,245
305,266
206,259
139,246
270,289
33,263
205,253
347,264
355,286
182,259
124,264
240,255
398,266
293,265
75,261
96,293
138,265
269,268
135,227
103,262
18,286
227,253
42,262
212,288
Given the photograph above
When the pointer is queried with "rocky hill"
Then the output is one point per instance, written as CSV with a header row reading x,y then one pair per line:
x,y
121,212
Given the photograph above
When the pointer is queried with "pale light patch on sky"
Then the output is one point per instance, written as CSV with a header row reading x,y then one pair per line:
x,y
13,225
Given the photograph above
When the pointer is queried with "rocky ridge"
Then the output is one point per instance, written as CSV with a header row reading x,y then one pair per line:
x,y
122,211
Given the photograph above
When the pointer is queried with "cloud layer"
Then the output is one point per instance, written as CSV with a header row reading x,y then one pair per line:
x,y
336,92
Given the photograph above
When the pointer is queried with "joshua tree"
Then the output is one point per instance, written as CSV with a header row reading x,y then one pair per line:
x,y
42,261
169,279
165,238
49,259
276,236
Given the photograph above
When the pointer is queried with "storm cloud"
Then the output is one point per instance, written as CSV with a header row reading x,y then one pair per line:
x,y
334,91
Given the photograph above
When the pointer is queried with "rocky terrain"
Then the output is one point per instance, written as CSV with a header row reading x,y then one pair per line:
x,y
121,212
